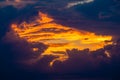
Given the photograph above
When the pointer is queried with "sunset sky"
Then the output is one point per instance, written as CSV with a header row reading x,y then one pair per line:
x,y
78,37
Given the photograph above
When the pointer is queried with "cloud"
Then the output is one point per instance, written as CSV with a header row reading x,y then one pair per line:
x,y
70,17
20,50
72,4
16,3
85,61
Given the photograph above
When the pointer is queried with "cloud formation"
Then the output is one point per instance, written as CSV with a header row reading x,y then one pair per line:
x,y
72,4
58,37
16,3
79,60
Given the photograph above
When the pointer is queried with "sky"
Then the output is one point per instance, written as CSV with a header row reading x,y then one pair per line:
x,y
50,38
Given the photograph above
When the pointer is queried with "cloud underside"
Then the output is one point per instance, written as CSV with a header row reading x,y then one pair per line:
x,y
16,3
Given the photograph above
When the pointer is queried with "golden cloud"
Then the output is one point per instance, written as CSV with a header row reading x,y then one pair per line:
x,y
58,37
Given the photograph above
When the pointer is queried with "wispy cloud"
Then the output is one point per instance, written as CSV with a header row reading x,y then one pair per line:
x,y
71,4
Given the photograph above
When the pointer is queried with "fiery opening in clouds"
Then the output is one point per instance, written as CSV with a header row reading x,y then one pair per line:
x,y
58,37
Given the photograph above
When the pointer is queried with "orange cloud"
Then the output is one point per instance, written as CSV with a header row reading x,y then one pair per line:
x,y
58,37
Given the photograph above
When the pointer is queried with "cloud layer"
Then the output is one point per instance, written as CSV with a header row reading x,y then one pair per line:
x,y
99,16
16,3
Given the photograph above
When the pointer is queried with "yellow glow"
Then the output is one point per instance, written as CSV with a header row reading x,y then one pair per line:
x,y
35,49
58,37
107,53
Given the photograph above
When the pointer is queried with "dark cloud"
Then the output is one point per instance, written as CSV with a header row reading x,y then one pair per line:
x,y
16,3
87,63
15,52
91,17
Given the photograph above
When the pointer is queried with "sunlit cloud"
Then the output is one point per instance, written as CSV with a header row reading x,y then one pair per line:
x,y
58,37
16,3
71,4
